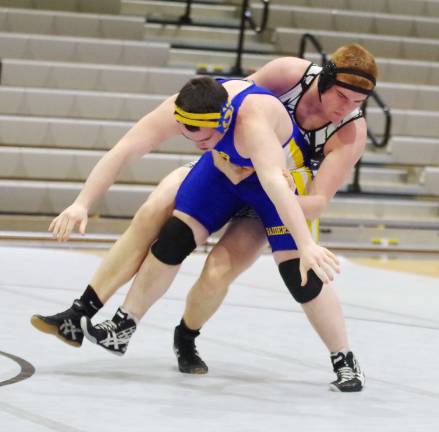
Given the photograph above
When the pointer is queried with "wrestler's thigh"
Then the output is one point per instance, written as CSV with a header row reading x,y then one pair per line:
x,y
207,196
199,231
241,243
161,201
285,255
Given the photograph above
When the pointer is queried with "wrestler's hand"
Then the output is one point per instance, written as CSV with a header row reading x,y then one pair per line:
x,y
289,178
321,260
63,224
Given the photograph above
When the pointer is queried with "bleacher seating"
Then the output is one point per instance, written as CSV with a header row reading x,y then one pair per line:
x,y
83,50
71,24
77,74
90,6
106,78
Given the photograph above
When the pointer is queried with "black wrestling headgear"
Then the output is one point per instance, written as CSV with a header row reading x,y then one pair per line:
x,y
328,78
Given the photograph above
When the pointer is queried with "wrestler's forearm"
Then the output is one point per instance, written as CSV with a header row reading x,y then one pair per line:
x,y
287,206
312,205
102,176
145,136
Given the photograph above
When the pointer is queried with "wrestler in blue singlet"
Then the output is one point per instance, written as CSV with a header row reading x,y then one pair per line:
x,y
212,199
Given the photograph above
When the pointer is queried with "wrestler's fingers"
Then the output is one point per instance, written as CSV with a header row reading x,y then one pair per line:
x,y
303,274
328,271
289,179
62,228
332,262
56,226
83,226
68,229
321,273
332,256
52,224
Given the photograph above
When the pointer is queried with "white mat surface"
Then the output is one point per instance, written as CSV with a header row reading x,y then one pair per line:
x,y
268,369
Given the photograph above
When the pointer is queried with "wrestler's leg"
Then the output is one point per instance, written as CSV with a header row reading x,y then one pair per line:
x,y
326,316
156,273
323,310
176,240
125,257
197,214
238,249
120,265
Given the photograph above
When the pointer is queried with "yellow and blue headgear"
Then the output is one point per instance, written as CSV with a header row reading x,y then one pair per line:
x,y
219,121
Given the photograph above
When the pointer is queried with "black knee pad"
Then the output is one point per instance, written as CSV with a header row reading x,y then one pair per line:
x,y
290,272
174,243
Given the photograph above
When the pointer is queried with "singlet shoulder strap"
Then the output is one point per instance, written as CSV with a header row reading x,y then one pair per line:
x,y
332,128
292,95
310,74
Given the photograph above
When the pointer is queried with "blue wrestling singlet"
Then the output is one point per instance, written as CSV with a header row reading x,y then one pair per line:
x,y
211,198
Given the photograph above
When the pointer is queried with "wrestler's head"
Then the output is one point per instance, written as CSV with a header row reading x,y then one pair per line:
x,y
203,111
346,81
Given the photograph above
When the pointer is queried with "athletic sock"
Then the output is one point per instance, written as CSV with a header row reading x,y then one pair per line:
x,y
91,301
187,331
122,314
343,350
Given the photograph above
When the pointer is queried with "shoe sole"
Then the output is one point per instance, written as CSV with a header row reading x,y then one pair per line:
x,y
43,327
93,340
336,389
197,371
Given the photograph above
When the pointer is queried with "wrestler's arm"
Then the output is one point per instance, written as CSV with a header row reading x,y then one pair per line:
x,y
255,136
345,149
280,74
147,134
346,145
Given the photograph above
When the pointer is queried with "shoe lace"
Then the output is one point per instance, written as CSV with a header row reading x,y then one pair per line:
x,y
345,373
189,349
107,325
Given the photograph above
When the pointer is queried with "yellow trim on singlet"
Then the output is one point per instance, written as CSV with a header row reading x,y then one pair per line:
x,y
315,230
299,182
296,154
303,178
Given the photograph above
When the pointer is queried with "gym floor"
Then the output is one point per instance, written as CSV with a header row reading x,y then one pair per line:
x,y
268,369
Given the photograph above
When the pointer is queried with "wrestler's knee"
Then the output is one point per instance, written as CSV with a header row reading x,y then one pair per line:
x,y
174,243
290,272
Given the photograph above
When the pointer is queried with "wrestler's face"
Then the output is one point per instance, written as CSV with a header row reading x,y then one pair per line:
x,y
338,102
204,138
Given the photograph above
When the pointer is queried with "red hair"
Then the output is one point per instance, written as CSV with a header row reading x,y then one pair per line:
x,y
356,57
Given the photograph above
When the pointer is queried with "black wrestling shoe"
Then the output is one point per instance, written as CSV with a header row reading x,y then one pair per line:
x,y
188,358
350,378
64,326
113,335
